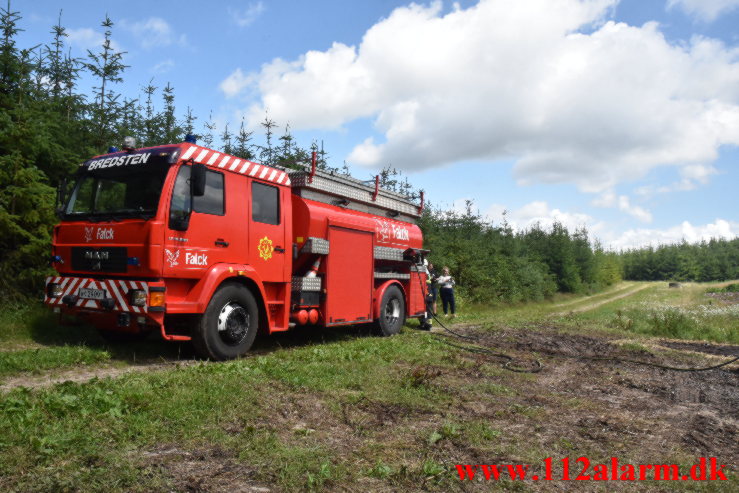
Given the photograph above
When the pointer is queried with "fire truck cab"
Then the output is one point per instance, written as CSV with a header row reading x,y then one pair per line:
x,y
203,246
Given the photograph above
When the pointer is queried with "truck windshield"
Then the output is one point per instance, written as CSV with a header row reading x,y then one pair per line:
x,y
109,194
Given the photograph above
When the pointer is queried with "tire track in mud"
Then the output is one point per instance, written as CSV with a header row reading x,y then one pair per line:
x,y
87,373
82,375
593,306
620,289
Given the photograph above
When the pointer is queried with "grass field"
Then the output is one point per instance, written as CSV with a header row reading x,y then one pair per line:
x,y
341,410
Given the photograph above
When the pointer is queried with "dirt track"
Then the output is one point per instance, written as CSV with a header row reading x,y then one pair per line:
x,y
616,295
78,375
611,292
655,407
573,406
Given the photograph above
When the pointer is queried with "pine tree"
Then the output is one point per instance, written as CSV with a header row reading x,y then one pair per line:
x,y
107,66
151,123
26,200
243,148
189,124
267,152
210,127
226,140
171,131
56,71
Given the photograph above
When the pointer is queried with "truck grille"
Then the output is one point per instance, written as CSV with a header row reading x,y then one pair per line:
x,y
105,259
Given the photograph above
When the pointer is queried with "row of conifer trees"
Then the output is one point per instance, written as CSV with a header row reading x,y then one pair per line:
x,y
48,125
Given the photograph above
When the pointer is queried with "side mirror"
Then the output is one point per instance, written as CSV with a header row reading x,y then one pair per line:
x,y
180,223
197,180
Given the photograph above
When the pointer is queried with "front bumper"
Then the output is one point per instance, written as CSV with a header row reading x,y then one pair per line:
x,y
114,307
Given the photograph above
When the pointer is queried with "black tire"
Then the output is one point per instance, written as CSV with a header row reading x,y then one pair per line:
x,y
229,325
392,312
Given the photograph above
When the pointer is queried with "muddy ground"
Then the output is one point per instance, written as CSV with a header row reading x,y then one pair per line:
x,y
574,406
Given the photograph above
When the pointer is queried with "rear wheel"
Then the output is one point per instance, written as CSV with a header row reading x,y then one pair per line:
x,y
229,325
392,312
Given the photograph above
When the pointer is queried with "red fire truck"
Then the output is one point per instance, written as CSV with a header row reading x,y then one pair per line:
x,y
203,246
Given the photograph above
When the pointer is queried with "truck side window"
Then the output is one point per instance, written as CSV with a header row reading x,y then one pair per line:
x,y
212,201
265,203
180,205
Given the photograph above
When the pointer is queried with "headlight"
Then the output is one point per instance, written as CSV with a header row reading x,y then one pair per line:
x,y
137,297
53,290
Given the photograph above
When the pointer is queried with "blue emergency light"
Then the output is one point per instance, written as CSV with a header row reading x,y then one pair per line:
x,y
190,138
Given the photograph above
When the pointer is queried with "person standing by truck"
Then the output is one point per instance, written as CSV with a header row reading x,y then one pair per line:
x,y
433,286
446,290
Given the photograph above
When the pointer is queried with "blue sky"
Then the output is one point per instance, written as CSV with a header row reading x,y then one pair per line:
x,y
619,115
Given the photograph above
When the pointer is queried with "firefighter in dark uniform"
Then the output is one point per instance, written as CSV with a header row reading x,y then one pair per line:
x,y
430,299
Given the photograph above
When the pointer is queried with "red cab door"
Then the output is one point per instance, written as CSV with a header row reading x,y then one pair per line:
x,y
268,242
207,236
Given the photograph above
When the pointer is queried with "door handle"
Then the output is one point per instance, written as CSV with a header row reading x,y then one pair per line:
x,y
220,242
279,249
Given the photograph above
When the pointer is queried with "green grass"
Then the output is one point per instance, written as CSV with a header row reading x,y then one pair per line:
x,y
273,413
33,341
61,429
729,288
37,360
659,311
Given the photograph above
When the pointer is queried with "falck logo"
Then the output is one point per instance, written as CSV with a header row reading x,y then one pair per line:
x,y
383,230
390,231
172,257
88,233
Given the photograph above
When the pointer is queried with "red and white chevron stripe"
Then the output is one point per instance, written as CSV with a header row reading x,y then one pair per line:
x,y
114,288
216,159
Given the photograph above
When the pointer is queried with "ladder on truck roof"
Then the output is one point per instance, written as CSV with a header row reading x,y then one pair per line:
x,y
350,193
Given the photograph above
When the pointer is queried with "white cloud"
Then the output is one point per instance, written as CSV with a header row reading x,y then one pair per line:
x,y
163,66
605,199
691,177
87,38
154,32
246,17
699,173
635,238
705,10
578,99
625,205
539,212
235,83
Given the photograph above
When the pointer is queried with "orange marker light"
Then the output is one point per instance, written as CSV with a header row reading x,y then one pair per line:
x,y
156,298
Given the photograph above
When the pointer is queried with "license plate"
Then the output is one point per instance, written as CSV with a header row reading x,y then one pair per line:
x,y
91,294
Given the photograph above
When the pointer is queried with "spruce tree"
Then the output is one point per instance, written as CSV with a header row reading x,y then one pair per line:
x,y
243,147
107,67
171,131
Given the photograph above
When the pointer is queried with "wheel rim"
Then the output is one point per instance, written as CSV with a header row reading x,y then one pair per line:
x,y
392,311
233,324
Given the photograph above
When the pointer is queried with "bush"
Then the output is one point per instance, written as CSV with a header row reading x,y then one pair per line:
x,y
672,323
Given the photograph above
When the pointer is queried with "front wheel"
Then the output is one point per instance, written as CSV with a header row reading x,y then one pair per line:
x,y
392,312
229,325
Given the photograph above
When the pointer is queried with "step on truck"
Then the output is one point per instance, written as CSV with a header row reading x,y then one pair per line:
x,y
203,246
